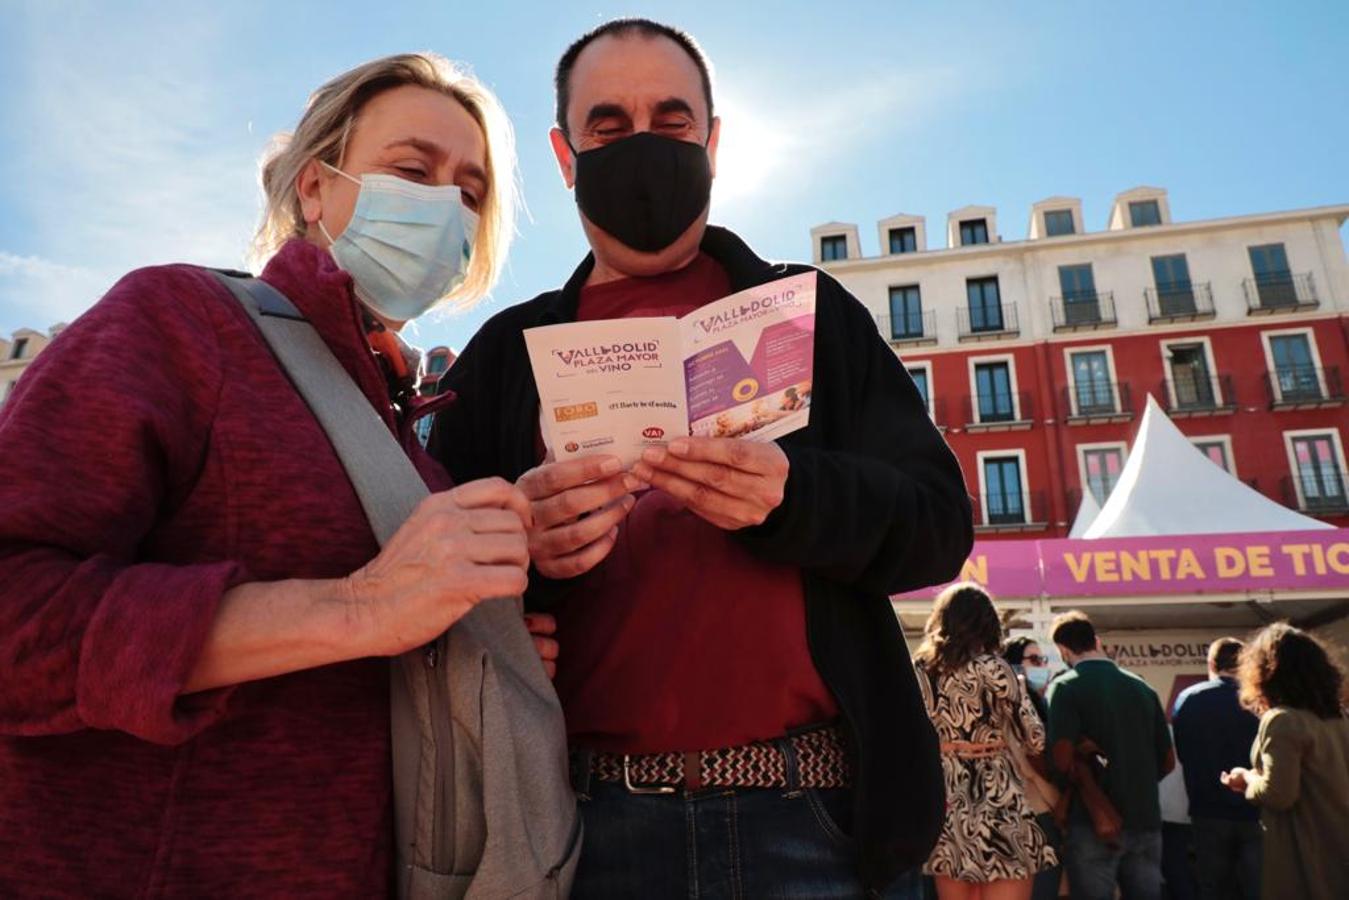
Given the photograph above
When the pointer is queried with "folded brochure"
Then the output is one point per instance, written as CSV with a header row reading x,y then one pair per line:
x,y
739,367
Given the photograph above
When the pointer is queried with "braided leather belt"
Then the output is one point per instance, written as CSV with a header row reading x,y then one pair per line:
x,y
821,762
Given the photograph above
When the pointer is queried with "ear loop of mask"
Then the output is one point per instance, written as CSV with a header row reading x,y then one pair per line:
x,y
336,171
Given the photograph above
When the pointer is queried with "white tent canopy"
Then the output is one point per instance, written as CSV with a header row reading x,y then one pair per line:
x,y
1087,511
1169,486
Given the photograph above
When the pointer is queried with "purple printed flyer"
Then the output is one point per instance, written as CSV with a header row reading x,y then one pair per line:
x,y
740,367
749,359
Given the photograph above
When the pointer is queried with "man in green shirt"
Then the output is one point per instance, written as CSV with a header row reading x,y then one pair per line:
x,y
1115,710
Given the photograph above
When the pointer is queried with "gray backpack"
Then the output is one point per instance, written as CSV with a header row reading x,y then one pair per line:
x,y
483,804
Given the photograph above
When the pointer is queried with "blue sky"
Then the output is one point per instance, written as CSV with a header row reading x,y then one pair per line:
x,y
130,131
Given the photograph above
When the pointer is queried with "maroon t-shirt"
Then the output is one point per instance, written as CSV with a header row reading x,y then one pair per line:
x,y
681,639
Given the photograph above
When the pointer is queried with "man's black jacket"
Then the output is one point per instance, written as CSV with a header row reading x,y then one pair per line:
x,y
875,504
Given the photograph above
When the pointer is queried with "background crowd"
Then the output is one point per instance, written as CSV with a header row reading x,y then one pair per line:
x,y
1078,785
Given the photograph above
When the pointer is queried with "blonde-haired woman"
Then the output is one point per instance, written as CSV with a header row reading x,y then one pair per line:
x,y
991,846
195,610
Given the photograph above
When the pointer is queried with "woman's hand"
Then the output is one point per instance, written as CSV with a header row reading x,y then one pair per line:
x,y
457,548
1235,780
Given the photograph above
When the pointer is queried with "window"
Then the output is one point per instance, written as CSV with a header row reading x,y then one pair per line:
x,y
985,304
1319,478
1190,378
1216,451
1092,390
1059,221
1100,470
437,364
1273,280
20,344
920,381
903,240
833,247
906,312
1004,503
993,385
1175,293
1145,212
1081,304
973,231
1294,369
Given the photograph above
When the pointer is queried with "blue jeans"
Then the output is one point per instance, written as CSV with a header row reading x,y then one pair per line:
x,y
722,842
1094,868
1227,858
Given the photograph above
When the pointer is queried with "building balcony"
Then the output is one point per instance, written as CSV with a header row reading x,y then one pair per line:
x,y
937,411
1191,397
913,330
998,412
1288,292
1084,311
1095,402
987,323
1009,512
1316,496
1304,387
1179,303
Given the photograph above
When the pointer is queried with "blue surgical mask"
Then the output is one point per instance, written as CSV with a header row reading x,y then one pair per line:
x,y
407,244
1037,677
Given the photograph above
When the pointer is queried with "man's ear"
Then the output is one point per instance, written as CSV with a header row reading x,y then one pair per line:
x,y
713,139
566,160
307,189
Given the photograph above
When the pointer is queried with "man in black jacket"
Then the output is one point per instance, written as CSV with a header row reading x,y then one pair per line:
x,y
741,705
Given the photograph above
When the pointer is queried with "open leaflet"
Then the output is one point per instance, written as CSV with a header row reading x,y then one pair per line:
x,y
738,367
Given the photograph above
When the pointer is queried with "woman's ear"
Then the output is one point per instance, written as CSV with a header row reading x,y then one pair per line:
x,y
308,188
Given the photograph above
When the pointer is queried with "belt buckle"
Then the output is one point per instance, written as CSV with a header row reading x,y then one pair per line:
x,y
638,788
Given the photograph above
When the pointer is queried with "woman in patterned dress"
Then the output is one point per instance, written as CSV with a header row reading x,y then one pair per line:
x,y
991,846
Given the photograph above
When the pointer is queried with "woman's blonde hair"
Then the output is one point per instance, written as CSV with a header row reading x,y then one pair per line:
x,y
327,123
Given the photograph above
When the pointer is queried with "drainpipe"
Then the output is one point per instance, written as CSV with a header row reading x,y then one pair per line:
x,y
1057,464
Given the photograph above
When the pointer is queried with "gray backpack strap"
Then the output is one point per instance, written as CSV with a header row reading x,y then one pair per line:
x,y
385,481
483,806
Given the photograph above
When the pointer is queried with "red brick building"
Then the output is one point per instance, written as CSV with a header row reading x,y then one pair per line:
x,y
1036,356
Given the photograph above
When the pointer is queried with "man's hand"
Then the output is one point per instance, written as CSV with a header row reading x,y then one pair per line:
x,y
576,506
543,626
729,482
1235,780
458,547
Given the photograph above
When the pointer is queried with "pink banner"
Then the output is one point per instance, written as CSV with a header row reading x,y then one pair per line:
x,y
1181,564
1197,564
1006,568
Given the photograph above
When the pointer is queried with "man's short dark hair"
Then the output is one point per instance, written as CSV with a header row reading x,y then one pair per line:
x,y
1073,630
1224,653
621,28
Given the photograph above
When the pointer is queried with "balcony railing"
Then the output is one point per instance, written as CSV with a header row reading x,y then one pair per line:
x,y
1317,495
1303,387
1000,411
1083,311
1212,395
1280,293
1010,511
910,328
1179,302
1096,401
937,409
982,323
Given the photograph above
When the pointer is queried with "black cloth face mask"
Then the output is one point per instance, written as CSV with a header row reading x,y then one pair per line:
x,y
645,190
